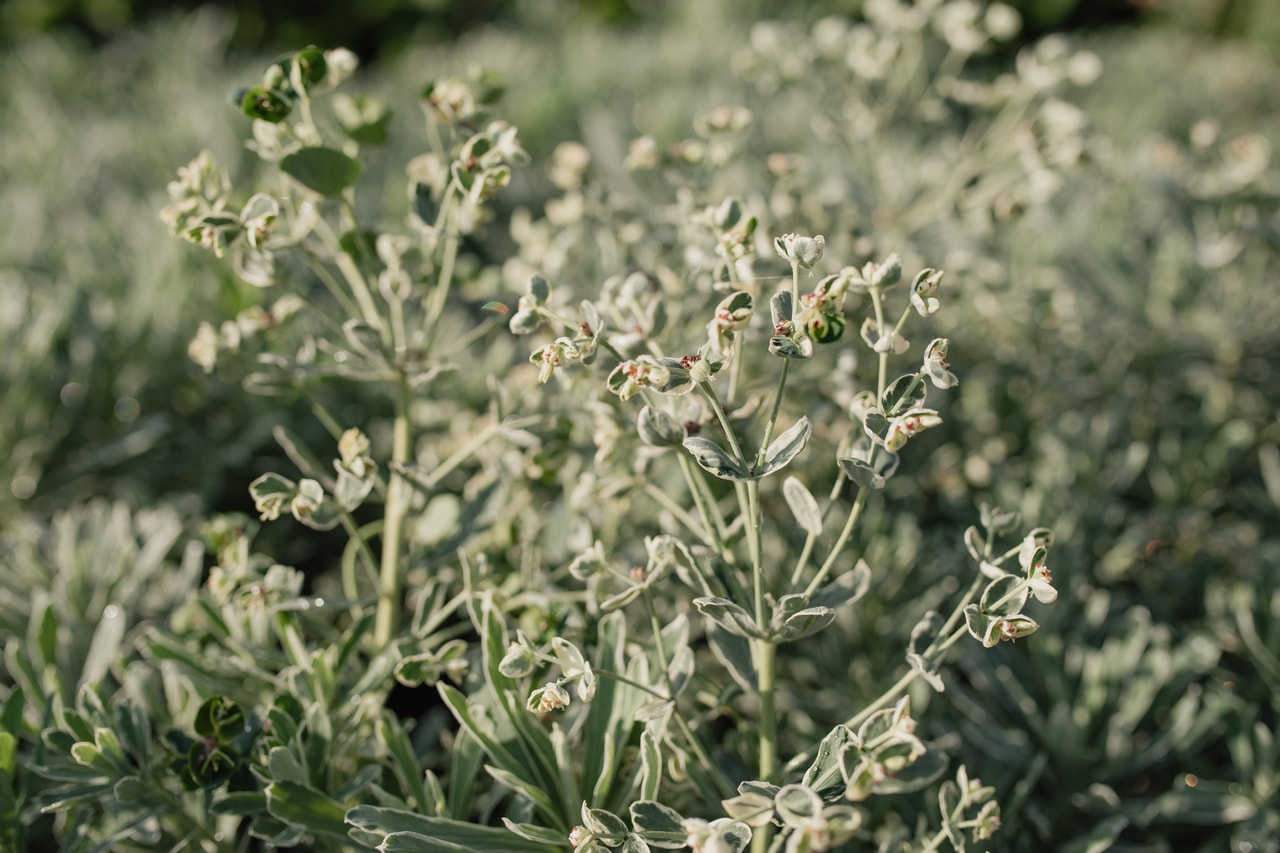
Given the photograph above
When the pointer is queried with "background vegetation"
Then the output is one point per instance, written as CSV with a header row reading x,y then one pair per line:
x,y
1118,344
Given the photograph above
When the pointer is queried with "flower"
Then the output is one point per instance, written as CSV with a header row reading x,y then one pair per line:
x,y
936,366
881,340
550,356
924,291
640,372
800,251
551,697
518,661
578,836
988,821
907,425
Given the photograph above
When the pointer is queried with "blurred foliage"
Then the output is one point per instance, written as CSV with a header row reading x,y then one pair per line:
x,y
384,28
1126,389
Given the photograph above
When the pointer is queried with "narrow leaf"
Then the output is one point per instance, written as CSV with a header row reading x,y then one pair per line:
x,y
715,460
803,505
729,616
786,446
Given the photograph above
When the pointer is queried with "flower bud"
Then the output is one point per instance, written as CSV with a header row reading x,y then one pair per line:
x,y
936,366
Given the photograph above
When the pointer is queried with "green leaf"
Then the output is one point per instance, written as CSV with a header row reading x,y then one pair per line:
x,y
531,832
454,834
1003,597
304,806
1100,837
240,803
786,446
861,473
658,824
917,775
845,589
797,805
734,653
729,616
325,170
522,787
824,774
715,460
906,392
650,766
658,429
265,105
104,648
408,769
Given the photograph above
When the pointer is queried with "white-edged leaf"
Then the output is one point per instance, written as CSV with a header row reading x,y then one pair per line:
x,y
803,505
786,446
715,460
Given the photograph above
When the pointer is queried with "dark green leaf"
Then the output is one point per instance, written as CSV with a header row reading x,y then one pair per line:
x,y
325,170
304,806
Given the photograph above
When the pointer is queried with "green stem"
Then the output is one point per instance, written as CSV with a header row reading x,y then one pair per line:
x,y
766,659
884,356
856,510
668,503
773,417
388,611
435,307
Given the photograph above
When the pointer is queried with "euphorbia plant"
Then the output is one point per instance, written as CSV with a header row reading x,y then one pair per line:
x,y
590,710
750,604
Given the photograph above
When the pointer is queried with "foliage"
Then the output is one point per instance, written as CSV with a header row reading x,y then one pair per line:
x,y
582,610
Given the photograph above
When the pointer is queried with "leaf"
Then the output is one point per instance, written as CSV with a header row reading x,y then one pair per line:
x,y
532,832
797,805
1100,837
1004,597
448,835
306,807
658,824
729,616
804,506
823,775
104,648
734,653
713,459
780,307
786,446
876,425
845,589
861,473
917,775
650,766
658,429
906,392
794,619
325,170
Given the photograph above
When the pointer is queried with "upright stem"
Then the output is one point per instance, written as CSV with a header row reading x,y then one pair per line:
x,y
387,614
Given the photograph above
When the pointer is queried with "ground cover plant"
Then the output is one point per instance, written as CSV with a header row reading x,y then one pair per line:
x,y
620,537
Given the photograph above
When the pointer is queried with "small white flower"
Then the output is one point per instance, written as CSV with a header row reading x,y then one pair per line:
x,y
550,356
924,292
936,366
552,697
800,251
